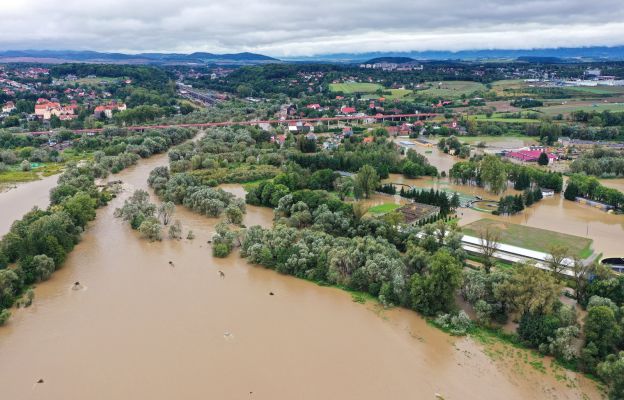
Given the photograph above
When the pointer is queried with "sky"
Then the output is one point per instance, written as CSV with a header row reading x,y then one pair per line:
x,y
290,28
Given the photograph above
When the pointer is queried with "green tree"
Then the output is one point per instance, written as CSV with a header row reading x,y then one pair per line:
x,y
434,291
233,214
543,159
602,330
43,267
81,208
529,290
366,181
612,371
493,173
151,229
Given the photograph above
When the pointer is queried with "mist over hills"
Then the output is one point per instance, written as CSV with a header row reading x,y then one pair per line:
x,y
578,54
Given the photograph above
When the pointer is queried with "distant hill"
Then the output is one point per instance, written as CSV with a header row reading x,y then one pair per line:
x,y
596,53
61,56
393,60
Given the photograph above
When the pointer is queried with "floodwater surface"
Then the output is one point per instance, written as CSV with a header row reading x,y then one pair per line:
x,y
142,328
16,202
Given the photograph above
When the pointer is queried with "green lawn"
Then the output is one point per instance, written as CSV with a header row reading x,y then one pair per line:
x,y
531,238
383,208
355,87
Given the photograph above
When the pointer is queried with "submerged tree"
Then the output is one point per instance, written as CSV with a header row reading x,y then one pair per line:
x,y
175,230
151,229
166,211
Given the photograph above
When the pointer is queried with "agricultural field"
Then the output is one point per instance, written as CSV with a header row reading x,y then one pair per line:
x,y
601,90
531,238
394,94
355,87
451,89
500,117
577,106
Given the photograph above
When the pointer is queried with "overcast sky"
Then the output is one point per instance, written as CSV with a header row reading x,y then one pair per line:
x,y
311,27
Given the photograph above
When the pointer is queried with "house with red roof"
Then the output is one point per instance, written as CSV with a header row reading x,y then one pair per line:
x,y
368,139
347,110
529,155
106,110
315,106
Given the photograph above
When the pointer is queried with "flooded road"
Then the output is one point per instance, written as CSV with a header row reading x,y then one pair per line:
x,y
16,202
142,329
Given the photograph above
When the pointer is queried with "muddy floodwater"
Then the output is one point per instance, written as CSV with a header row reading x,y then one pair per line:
x,y
17,201
552,213
140,328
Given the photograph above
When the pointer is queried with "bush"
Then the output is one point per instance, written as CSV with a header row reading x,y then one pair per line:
x,y
4,316
221,250
456,325
150,229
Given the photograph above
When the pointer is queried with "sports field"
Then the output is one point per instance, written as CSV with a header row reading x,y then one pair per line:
x,y
531,238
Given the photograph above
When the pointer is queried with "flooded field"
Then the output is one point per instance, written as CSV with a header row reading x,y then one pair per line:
x,y
552,213
614,183
143,329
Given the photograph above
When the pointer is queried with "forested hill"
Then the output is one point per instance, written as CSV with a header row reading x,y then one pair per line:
x,y
62,56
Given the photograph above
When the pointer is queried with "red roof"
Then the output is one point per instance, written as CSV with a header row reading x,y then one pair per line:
x,y
368,139
347,110
529,155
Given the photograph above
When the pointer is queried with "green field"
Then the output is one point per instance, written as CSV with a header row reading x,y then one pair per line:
x,y
500,117
531,238
568,108
355,87
383,208
395,94
606,90
451,89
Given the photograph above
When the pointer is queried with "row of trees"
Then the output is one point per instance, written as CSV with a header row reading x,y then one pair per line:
x,y
513,204
600,162
494,173
580,185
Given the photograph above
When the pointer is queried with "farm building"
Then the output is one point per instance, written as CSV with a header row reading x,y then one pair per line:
x,y
528,155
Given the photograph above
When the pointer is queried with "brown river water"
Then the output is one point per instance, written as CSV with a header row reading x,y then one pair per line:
x,y
16,202
142,329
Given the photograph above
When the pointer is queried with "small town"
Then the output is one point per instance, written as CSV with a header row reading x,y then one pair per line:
x,y
197,198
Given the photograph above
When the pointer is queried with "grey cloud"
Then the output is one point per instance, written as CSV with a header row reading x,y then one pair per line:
x,y
295,27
